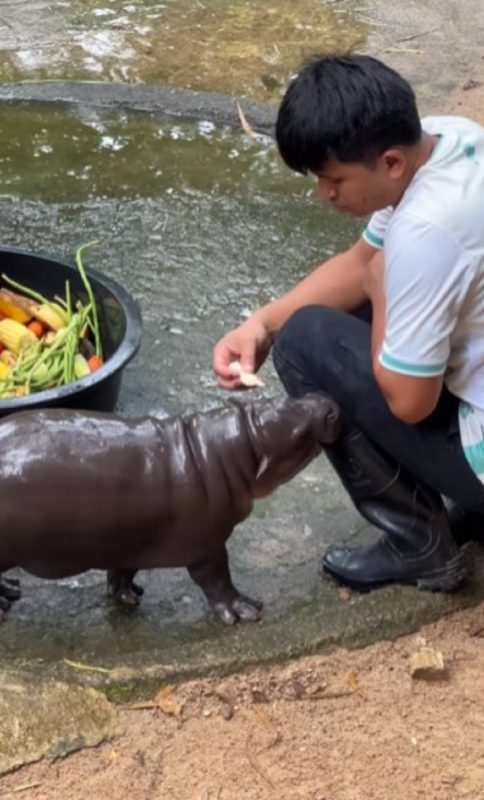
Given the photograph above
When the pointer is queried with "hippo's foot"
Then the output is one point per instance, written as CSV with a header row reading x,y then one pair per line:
x,y
239,608
9,591
213,577
122,588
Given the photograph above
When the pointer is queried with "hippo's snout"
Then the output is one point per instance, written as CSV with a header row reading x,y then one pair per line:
x,y
288,433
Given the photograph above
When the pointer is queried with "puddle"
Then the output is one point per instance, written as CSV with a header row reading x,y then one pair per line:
x,y
244,47
201,224
55,155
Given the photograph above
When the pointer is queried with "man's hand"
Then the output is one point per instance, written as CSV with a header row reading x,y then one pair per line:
x,y
248,344
338,283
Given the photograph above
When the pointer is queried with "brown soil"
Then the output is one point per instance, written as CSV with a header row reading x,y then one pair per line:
x,y
348,726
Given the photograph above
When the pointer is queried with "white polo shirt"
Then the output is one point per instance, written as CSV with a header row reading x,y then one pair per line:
x,y
433,243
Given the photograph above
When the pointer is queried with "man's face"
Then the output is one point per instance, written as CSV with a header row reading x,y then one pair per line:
x,y
356,188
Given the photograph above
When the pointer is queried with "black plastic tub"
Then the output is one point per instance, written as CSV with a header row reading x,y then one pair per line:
x,y
119,322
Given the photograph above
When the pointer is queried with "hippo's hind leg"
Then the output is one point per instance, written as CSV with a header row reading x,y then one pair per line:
x,y
123,589
213,576
9,591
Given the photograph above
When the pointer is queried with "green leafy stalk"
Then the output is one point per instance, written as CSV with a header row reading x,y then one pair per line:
x,y
68,300
90,294
45,365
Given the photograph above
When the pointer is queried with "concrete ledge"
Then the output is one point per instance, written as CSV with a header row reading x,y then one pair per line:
x,y
218,108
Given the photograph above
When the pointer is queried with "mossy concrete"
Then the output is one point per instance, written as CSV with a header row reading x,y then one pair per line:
x,y
48,719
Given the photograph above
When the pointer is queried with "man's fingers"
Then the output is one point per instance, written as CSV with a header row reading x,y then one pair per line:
x,y
232,384
220,363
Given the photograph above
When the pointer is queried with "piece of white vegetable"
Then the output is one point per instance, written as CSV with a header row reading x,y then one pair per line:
x,y
249,379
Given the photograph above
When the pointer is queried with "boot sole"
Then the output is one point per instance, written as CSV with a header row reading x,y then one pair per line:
x,y
446,579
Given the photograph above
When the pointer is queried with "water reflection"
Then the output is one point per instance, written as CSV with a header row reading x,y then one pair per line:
x,y
197,265
52,155
241,47
201,225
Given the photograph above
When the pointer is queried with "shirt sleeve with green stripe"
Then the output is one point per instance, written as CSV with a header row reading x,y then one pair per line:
x,y
427,277
374,233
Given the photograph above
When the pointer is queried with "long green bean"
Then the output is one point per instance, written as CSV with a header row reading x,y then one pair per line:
x,y
44,365
90,294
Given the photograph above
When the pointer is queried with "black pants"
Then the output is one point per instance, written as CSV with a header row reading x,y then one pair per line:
x,y
323,349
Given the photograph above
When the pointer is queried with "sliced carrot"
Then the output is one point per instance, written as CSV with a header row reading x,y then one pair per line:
x,y
36,327
94,363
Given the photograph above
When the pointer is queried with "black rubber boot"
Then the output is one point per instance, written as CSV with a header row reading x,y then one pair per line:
x,y
417,546
466,526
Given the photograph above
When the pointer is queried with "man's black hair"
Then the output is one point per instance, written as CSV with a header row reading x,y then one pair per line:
x,y
348,107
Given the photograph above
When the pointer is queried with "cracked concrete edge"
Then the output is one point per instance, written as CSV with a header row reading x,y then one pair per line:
x,y
434,46
48,710
217,108
321,626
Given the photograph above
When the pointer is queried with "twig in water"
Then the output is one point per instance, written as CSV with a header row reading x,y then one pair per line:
x,y
248,129
417,35
87,667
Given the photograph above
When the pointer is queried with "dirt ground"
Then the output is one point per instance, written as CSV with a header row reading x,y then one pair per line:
x,y
348,726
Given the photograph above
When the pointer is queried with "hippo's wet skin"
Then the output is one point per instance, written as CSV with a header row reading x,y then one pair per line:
x,y
82,490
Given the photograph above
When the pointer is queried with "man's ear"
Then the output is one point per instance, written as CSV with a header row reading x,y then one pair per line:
x,y
394,162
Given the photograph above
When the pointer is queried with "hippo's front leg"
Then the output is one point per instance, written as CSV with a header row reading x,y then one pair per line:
x,y
123,589
213,576
9,591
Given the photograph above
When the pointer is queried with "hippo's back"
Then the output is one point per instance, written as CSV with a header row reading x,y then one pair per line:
x,y
65,446
67,476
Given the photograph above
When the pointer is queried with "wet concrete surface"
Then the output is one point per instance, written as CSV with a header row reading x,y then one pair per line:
x,y
218,108
275,554
70,631
242,48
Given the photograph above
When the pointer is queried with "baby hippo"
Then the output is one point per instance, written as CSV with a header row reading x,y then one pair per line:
x,y
86,490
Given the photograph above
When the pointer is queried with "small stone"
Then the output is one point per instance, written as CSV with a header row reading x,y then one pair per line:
x,y
427,664
139,757
258,696
298,689
226,693
227,711
476,628
471,84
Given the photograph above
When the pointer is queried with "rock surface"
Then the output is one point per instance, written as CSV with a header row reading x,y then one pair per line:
x,y
49,720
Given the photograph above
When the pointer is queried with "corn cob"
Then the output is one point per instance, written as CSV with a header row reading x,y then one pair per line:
x,y
21,309
13,309
51,314
4,370
15,336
